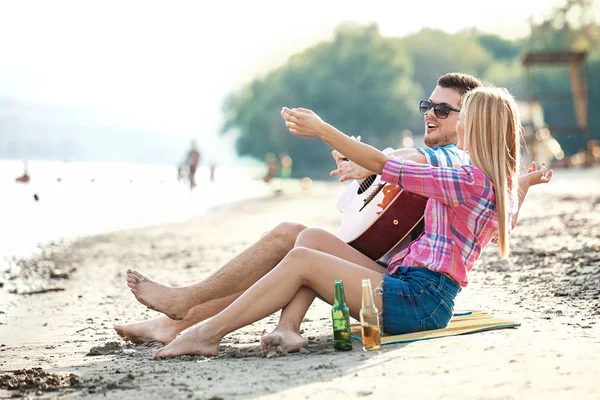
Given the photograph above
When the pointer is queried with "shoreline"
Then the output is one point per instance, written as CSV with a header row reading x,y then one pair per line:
x,y
550,284
68,200
29,250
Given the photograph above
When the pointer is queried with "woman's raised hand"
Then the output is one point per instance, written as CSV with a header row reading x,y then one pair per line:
x,y
536,176
303,122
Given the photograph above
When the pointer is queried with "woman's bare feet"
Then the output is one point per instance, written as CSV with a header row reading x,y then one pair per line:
x,y
282,341
194,341
165,299
162,330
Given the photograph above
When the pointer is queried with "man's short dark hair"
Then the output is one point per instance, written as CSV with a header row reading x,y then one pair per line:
x,y
462,83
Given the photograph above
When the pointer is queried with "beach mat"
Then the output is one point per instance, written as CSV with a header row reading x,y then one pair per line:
x,y
461,323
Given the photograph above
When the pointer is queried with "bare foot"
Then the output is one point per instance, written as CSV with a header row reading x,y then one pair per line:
x,y
194,341
282,341
162,330
165,299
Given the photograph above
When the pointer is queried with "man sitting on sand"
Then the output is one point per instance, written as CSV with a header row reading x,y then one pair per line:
x,y
186,306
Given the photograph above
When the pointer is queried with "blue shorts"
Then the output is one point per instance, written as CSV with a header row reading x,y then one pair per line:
x,y
417,299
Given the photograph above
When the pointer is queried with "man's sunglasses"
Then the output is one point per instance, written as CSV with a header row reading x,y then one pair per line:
x,y
440,110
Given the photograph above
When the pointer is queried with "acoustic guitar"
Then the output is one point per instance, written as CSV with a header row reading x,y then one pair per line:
x,y
380,219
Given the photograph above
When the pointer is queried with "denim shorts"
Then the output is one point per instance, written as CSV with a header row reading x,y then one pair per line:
x,y
417,299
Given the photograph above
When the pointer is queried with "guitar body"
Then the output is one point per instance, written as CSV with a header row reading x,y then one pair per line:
x,y
379,218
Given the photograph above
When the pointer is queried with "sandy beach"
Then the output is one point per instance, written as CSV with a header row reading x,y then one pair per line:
x,y
551,284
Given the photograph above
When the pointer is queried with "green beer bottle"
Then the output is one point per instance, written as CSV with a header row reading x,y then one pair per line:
x,y
341,319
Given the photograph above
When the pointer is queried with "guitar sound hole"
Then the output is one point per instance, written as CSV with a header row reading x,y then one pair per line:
x,y
366,184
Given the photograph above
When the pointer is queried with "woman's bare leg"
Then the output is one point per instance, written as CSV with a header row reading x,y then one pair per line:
x,y
302,267
286,337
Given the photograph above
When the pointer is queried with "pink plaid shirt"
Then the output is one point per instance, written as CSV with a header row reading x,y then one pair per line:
x,y
460,216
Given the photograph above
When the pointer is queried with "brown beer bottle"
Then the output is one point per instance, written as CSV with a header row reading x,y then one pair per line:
x,y
369,319
340,313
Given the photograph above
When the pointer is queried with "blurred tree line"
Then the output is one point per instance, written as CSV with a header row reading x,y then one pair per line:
x,y
369,85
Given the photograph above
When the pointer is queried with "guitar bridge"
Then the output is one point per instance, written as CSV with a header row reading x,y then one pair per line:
x,y
372,195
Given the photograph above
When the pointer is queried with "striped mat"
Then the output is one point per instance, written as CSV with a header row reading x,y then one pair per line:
x,y
460,324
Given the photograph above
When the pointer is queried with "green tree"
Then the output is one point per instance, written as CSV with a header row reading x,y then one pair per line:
x,y
360,82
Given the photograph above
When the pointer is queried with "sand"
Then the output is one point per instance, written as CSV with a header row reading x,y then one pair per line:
x,y
551,284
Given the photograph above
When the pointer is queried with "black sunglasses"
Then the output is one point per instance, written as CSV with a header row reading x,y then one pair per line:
x,y
440,110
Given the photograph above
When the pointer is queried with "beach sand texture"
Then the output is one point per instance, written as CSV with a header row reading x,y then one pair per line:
x,y
551,284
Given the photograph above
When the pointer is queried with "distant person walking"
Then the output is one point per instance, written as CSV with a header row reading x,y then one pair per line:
x,y
191,163
213,167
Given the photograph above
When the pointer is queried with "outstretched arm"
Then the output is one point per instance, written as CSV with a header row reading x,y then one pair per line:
x,y
303,122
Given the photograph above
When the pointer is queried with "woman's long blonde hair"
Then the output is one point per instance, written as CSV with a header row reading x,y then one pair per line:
x,y
492,129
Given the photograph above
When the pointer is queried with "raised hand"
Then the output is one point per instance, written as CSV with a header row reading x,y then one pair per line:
x,y
536,176
348,170
339,157
303,122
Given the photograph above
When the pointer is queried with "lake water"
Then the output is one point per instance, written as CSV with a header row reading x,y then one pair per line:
x,y
79,199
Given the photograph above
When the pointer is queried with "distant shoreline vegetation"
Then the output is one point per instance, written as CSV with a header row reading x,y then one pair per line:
x,y
369,85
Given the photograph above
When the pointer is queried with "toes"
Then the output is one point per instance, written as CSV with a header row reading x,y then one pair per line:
x,y
267,339
276,341
271,343
158,353
138,275
265,343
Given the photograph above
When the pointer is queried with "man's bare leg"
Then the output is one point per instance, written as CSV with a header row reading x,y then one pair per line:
x,y
286,337
236,276
165,329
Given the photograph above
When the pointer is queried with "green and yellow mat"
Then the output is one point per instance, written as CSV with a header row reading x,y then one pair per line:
x,y
461,323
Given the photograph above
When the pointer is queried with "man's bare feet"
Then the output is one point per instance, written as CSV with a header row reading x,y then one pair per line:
x,y
162,330
194,341
282,341
165,299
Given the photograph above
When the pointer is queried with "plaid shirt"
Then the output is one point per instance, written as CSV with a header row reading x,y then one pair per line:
x,y
460,216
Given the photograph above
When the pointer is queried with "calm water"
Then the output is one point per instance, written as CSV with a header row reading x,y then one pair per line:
x,y
77,199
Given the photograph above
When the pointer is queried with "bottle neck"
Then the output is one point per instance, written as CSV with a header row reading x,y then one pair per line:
x,y
367,295
338,296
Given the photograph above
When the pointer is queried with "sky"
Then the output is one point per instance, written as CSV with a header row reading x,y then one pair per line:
x,y
168,65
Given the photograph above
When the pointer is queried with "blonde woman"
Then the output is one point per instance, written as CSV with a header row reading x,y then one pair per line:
x,y
467,208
